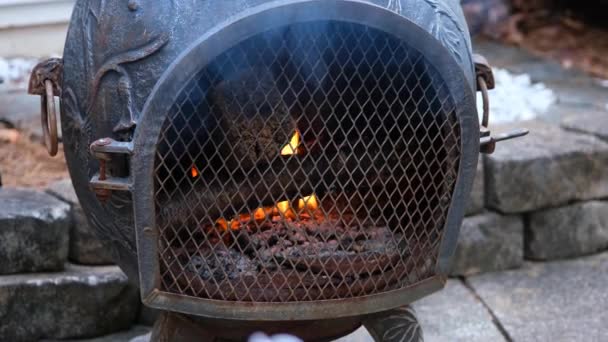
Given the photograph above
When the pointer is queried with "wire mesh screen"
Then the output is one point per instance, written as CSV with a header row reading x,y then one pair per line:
x,y
312,162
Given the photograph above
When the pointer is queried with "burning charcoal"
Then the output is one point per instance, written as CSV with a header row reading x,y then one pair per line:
x,y
321,251
264,187
244,242
273,240
220,263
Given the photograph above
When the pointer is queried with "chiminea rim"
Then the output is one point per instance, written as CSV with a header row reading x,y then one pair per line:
x,y
205,50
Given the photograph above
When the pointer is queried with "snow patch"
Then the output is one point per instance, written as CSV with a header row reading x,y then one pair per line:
x,y
516,98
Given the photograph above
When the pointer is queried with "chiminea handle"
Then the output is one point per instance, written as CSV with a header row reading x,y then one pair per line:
x,y
485,82
45,81
49,119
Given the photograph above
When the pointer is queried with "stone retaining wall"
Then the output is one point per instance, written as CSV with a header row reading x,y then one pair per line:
x,y
43,293
541,197
545,197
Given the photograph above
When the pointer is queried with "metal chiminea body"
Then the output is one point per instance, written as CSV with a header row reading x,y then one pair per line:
x,y
292,166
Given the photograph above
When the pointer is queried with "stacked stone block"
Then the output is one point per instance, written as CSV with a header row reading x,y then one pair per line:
x,y
85,248
542,197
43,295
545,198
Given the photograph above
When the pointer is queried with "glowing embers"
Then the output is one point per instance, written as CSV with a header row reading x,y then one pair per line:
x,y
194,172
306,207
328,255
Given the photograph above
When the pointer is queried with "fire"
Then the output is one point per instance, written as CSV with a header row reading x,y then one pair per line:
x,y
235,224
309,203
284,208
222,224
259,214
281,209
292,147
194,172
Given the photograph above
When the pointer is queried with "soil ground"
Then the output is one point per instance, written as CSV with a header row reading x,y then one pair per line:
x,y
24,162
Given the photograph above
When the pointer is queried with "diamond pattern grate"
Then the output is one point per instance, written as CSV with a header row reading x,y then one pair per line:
x,y
312,162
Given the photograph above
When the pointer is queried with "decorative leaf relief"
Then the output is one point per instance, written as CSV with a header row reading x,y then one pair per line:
x,y
450,38
395,6
402,326
114,64
77,126
95,20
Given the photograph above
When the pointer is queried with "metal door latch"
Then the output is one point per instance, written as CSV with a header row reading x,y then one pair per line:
x,y
103,183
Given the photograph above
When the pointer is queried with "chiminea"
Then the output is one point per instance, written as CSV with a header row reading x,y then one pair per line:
x,y
294,166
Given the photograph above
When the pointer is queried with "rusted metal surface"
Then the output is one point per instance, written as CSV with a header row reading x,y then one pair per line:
x,y
103,183
46,80
293,311
124,56
399,325
195,299
51,70
112,33
485,82
381,159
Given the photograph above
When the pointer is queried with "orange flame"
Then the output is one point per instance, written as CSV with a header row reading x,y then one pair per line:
x,y
259,214
235,224
222,224
292,147
308,203
281,209
194,172
284,208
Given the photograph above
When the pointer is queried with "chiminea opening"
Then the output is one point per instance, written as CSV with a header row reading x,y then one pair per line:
x,y
313,161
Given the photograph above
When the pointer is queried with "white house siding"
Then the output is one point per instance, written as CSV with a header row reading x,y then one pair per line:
x,y
33,28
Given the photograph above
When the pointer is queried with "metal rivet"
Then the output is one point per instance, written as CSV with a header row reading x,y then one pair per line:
x,y
103,142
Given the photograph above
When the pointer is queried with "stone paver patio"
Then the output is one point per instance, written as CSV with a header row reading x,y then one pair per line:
x,y
554,301
549,301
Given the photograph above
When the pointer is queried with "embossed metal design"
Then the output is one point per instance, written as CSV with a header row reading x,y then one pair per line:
x,y
102,29
342,112
444,24
395,6
451,37
399,325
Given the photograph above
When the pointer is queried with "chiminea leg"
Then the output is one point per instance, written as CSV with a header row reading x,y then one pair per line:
x,y
399,325
171,327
